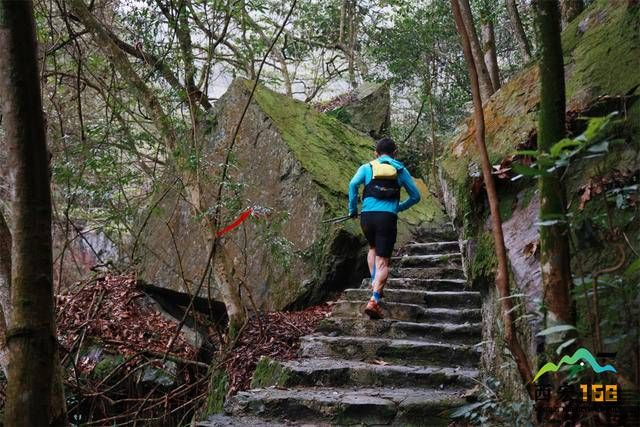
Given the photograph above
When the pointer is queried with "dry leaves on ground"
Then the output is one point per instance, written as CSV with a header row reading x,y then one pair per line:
x,y
112,310
275,334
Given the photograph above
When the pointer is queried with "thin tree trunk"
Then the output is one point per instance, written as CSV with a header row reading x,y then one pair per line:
x,y
5,291
353,27
554,239
518,30
231,297
502,276
489,49
570,10
486,86
125,69
31,339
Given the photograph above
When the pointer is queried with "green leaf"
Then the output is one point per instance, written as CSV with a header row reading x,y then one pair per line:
x,y
633,268
601,147
564,345
596,124
466,410
526,170
555,330
562,145
550,222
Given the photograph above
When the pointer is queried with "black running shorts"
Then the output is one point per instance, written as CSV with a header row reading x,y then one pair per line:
x,y
380,229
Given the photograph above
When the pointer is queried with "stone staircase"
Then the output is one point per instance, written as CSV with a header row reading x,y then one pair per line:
x,y
409,369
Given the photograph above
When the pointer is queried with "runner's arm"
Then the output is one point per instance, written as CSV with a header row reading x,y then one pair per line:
x,y
356,182
405,180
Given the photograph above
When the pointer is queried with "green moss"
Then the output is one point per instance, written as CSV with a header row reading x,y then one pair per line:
x,y
341,114
602,56
331,152
527,196
218,388
483,266
269,373
328,149
605,54
507,205
108,363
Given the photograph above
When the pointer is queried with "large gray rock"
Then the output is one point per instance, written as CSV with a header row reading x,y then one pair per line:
x,y
369,110
293,161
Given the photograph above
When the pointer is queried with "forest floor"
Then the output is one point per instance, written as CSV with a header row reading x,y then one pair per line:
x,y
110,336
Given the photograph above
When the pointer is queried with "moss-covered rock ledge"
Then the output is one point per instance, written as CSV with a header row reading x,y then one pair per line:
x,y
297,163
602,59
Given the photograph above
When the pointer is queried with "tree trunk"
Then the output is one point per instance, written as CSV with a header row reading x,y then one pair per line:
x,y
31,338
554,239
570,10
486,86
353,28
502,276
489,49
121,63
518,30
231,298
5,291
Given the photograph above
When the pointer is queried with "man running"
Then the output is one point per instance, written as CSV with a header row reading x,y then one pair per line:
x,y
382,179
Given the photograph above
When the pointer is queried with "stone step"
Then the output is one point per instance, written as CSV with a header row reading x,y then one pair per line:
x,y
420,284
467,333
431,248
453,260
408,312
220,420
341,406
447,299
436,234
329,372
427,273
390,350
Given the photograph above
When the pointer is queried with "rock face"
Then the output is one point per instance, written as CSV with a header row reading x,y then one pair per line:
x,y
369,111
410,369
296,163
606,33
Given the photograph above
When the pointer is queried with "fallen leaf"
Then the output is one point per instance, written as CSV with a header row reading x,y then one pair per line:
x,y
531,249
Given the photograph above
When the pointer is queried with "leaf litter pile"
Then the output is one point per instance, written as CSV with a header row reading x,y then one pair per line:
x,y
116,312
276,335
114,349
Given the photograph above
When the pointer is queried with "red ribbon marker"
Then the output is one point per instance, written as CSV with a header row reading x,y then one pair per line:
x,y
235,223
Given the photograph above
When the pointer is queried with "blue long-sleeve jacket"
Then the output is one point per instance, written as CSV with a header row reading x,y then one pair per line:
x,y
372,204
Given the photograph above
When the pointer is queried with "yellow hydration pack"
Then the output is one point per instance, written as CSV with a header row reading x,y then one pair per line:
x,y
384,182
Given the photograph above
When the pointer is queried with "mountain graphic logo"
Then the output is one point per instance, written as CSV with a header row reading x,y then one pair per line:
x,y
581,354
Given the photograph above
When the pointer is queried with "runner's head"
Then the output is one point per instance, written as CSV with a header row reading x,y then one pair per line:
x,y
386,146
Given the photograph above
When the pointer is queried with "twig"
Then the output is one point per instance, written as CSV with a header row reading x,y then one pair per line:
x,y
225,169
90,315
596,309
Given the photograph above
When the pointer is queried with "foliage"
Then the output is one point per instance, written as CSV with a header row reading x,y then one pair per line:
x,y
482,270
269,373
492,409
217,391
589,144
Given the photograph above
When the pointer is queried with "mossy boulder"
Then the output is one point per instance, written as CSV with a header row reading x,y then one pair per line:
x,y
602,59
369,110
296,163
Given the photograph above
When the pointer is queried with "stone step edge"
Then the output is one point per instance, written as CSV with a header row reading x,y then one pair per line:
x,y
435,257
387,402
420,325
387,341
356,364
429,244
418,292
403,304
